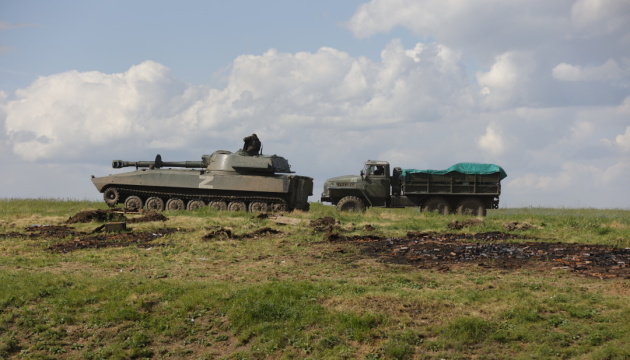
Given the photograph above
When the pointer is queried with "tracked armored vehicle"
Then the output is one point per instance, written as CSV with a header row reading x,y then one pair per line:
x,y
242,181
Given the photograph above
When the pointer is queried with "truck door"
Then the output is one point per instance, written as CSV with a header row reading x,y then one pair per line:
x,y
377,184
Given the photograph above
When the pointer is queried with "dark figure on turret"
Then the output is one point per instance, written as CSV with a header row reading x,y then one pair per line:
x,y
251,145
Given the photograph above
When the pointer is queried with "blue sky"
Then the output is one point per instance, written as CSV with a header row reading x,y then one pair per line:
x,y
193,38
541,88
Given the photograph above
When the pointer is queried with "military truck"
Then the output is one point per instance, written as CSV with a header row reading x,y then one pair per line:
x,y
245,180
464,188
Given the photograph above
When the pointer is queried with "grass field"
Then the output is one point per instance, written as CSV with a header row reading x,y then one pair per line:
x,y
195,292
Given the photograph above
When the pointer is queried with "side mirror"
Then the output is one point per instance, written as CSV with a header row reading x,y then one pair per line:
x,y
362,174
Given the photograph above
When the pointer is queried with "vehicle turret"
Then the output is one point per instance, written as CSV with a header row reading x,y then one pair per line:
x,y
221,160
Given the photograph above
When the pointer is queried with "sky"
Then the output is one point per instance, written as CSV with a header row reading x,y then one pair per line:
x,y
539,87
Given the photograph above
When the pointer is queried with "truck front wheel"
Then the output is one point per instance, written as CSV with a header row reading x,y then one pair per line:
x,y
351,203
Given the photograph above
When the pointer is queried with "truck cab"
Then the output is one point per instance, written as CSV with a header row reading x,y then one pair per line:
x,y
354,193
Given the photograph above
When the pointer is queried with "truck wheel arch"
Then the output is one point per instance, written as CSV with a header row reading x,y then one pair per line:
x,y
351,203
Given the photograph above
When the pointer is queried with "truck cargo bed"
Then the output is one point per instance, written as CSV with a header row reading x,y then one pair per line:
x,y
451,183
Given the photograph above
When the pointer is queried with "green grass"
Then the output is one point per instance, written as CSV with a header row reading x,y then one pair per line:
x,y
296,296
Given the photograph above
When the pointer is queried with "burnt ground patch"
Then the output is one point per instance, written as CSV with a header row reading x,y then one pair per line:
x,y
491,250
97,238
113,215
104,240
226,232
96,215
48,231
92,240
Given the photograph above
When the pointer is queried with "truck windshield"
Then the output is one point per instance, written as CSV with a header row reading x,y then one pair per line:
x,y
371,169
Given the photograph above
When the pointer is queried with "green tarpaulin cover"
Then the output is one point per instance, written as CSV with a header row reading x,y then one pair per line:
x,y
464,168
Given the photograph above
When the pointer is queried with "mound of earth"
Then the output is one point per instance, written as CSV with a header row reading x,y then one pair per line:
x,y
95,215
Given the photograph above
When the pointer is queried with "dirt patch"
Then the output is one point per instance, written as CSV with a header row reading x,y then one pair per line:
x,y
466,223
224,232
91,240
324,224
515,225
150,216
219,232
261,232
97,241
51,231
492,250
112,215
96,215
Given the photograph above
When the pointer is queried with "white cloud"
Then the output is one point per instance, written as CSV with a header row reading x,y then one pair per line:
x,y
575,184
621,141
452,20
601,16
63,115
504,84
581,130
518,47
610,70
492,141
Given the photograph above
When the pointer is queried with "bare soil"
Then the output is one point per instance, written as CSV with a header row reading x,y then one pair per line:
x,y
114,215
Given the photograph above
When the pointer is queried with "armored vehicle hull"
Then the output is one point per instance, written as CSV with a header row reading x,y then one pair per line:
x,y
224,180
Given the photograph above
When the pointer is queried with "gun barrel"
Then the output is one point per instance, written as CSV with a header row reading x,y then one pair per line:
x,y
184,164
118,164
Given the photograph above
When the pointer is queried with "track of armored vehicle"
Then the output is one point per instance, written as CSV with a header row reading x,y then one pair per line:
x,y
240,181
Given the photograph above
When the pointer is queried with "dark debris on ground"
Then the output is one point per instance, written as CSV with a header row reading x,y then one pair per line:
x,y
491,250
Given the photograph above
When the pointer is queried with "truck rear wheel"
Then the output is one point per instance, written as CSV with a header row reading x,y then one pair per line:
x,y
437,205
351,203
472,206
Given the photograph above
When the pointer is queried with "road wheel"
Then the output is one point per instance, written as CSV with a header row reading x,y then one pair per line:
x,y
111,197
237,206
351,203
219,205
154,203
279,207
195,204
472,206
175,204
258,206
133,203
437,205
